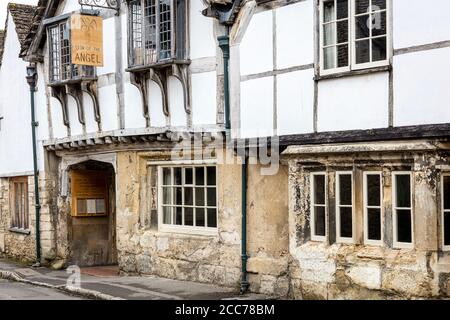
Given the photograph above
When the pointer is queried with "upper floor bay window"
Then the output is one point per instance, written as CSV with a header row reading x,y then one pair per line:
x,y
60,59
354,34
188,198
446,211
157,31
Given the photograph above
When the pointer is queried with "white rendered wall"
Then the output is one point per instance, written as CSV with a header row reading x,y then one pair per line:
x,y
357,102
202,41
422,94
204,98
16,155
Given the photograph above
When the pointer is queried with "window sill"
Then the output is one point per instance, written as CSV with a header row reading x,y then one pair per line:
x,y
352,73
189,231
71,81
20,231
157,65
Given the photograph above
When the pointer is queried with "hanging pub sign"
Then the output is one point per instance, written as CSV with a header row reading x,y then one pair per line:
x,y
87,40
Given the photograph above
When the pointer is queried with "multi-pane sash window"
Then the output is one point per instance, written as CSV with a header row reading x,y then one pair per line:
x,y
353,34
446,211
19,203
373,208
318,206
157,31
188,196
60,60
344,206
402,209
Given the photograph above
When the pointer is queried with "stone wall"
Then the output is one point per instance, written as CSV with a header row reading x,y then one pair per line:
x,y
329,270
143,249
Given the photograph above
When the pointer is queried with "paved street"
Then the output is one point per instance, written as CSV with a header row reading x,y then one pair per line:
x,y
19,291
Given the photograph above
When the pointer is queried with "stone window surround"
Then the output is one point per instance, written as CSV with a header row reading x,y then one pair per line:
x,y
332,209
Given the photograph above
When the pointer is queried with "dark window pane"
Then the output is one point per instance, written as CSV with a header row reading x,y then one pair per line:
x,y
374,224
404,230
178,216
178,196
188,216
177,176
345,189
342,9
342,56
346,222
211,194
342,31
211,176
167,177
319,189
328,11
447,228
188,196
200,217
378,5
212,218
199,196
403,186
319,221
188,179
447,193
378,24
361,6
362,51
379,49
200,176
362,24
373,190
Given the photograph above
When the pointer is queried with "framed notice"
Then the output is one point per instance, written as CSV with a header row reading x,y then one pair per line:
x,y
87,40
89,193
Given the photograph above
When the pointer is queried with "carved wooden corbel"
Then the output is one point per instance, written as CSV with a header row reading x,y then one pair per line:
x,y
160,77
59,93
140,80
74,90
181,72
90,88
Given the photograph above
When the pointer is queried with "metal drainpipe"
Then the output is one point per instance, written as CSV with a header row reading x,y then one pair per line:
x,y
32,80
224,44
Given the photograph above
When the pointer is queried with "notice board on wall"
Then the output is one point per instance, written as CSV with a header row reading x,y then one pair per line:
x,y
89,193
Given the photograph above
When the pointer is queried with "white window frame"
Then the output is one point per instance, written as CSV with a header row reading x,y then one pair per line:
x,y
368,241
182,229
314,237
352,41
397,244
340,239
443,210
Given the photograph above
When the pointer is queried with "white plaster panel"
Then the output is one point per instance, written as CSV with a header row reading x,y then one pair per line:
x,y
134,115
295,101
176,102
70,6
59,129
203,43
76,128
257,108
89,114
108,107
157,116
204,98
358,102
295,34
257,45
109,48
421,88
419,22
